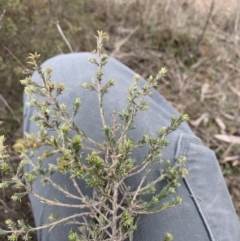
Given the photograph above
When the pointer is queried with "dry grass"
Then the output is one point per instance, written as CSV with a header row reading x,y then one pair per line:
x,y
197,41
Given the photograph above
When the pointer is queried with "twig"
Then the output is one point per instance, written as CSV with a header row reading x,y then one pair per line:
x,y
14,56
119,44
59,188
200,38
10,109
1,17
236,25
6,207
64,37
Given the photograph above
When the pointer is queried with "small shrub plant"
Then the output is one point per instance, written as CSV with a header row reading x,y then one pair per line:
x,y
114,208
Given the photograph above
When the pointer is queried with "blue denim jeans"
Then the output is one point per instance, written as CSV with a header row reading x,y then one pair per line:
x,y
206,213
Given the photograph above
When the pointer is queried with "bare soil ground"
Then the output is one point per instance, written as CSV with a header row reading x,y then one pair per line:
x,y
197,41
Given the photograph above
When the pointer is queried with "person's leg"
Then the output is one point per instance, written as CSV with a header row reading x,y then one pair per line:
x,y
206,214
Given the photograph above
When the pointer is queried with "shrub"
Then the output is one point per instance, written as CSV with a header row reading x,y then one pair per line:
x,y
105,169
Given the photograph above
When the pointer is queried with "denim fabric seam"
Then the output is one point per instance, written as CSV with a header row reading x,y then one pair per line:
x,y
184,145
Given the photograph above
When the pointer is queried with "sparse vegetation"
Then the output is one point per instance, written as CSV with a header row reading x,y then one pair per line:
x,y
203,78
